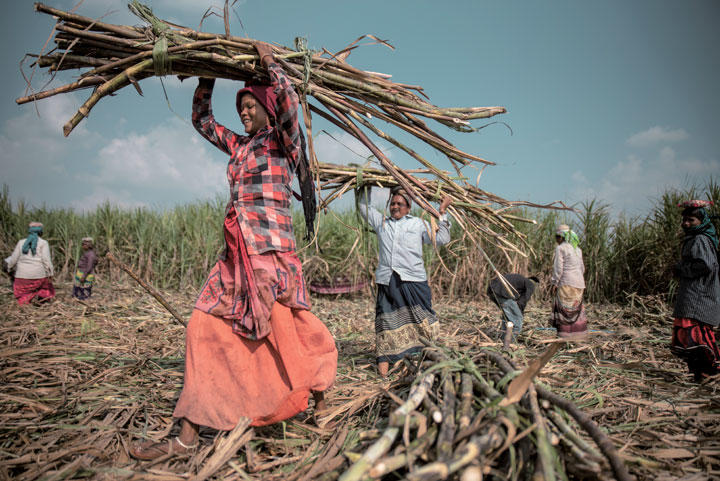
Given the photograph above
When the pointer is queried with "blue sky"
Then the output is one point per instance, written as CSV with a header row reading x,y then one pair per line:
x,y
612,100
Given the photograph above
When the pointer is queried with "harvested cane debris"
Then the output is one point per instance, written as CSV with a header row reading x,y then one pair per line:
x,y
481,429
83,380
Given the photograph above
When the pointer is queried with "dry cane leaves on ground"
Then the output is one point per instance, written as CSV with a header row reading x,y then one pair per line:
x,y
82,380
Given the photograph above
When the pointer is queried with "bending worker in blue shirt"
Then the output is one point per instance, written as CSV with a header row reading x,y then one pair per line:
x,y
403,312
512,296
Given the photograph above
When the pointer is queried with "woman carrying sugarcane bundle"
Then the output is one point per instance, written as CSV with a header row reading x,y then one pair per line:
x,y
253,349
403,310
697,306
568,285
31,266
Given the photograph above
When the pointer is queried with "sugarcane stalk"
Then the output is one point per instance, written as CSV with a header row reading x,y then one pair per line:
x,y
396,99
71,17
478,446
142,55
476,424
603,442
364,464
507,338
572,436
415,448
105,89
408,150
584,421
339,191
385,162
360,467
466,398
417,394
59,60
432,409
447,428
583,462
150,289
429,139
545,450
109,39
79,84
69,42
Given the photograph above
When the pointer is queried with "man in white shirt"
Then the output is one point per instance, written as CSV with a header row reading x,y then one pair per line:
x,y
403,311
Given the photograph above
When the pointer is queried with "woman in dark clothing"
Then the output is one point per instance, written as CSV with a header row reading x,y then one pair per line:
x,y
697,307
85,274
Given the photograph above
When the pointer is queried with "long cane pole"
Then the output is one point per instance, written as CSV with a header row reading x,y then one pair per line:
x,y
150,289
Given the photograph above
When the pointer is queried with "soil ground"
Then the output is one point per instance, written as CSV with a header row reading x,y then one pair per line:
x,y
82,380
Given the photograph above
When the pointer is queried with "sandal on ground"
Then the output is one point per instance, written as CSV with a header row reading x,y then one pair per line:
x,y
149,450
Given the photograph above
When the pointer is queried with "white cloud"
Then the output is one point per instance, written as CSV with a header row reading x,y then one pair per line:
x,y
656,135
34,155
48,116
122,198
163,166
170,159
579,178
633,183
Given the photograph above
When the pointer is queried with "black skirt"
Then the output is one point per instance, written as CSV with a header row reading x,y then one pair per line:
x,y
403,314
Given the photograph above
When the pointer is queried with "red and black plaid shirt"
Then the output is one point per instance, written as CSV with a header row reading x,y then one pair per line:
x,y
261,168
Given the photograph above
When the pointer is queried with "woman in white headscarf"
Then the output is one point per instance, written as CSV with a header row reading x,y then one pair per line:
x,y
568,285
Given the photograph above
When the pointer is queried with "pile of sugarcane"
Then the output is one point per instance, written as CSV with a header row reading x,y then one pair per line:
x,y
112,57
460,420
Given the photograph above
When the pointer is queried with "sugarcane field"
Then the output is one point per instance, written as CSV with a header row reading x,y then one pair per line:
x,y
381,272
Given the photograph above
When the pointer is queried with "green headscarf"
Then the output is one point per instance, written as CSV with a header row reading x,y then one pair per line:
x,y
705,227
568,235
34,231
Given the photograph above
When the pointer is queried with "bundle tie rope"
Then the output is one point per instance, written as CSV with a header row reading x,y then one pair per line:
x,y
161,59
359,177
301,46
161,30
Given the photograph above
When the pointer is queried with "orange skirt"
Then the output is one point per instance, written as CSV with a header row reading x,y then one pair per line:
x,y
228,376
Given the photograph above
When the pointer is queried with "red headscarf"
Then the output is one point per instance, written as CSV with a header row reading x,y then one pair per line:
x,y
265,94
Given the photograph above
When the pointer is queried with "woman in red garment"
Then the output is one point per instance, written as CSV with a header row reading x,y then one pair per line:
x,y
253,348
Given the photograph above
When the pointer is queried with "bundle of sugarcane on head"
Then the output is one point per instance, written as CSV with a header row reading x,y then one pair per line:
x,y
112,57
